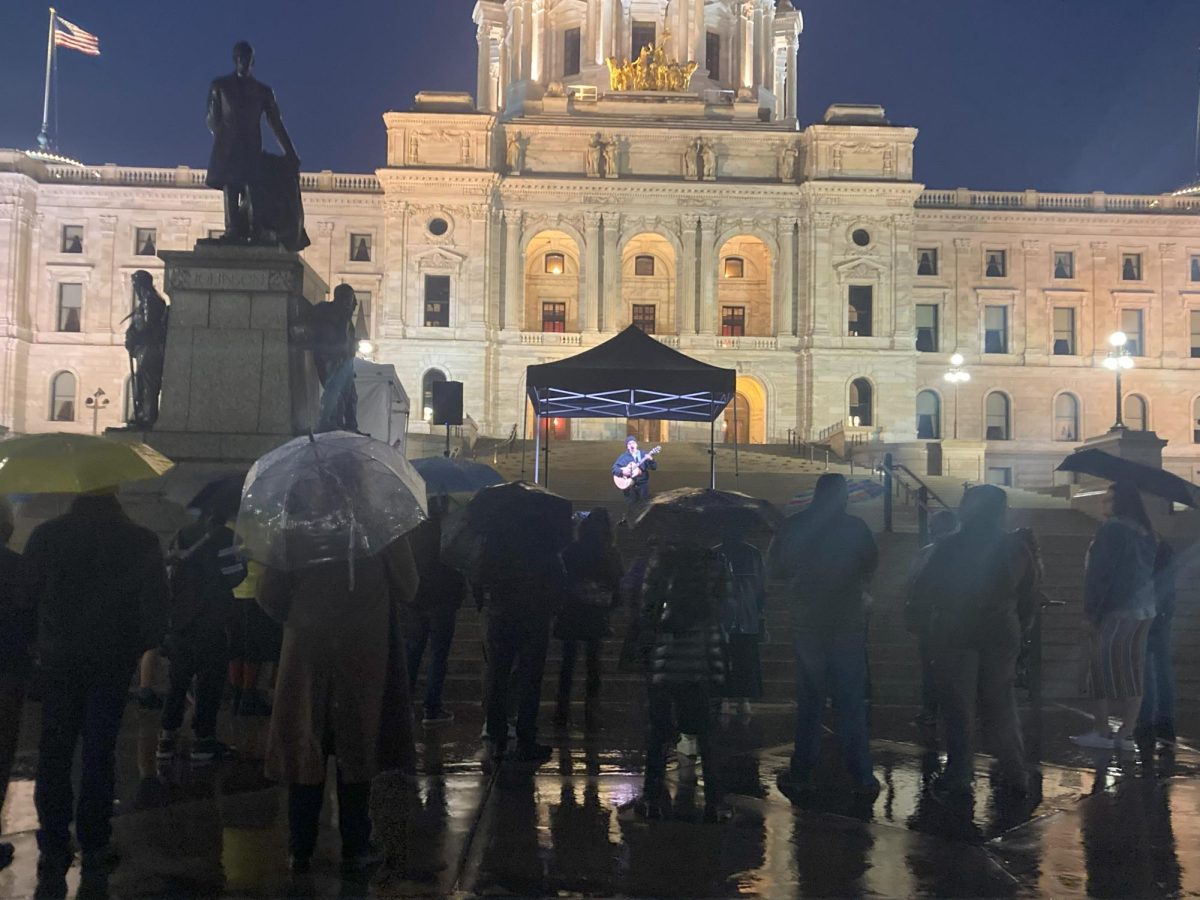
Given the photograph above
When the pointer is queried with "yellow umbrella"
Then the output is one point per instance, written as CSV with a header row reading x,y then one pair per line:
x,y
74,464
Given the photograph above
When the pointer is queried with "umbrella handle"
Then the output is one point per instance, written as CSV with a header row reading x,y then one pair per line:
x,y
350,555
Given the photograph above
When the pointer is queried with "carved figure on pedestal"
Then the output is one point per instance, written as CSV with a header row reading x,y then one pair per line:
x,y
691,161
612,150
789,160
331,335
262,191
515,156
146,342
708,161
593,155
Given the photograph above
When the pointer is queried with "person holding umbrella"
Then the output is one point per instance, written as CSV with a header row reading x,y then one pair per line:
x,y
1119,603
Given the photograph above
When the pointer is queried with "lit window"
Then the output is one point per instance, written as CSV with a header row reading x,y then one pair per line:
x,y
1066,418
554,317
1131,324
735,267
427,382
437,301
998,419
72,239
555,264
1131,267
1064,331
145,242
927,328
1064,264
859,312
733,321
995,329
62,397
861,403
995,263
70,307
360,247
643,266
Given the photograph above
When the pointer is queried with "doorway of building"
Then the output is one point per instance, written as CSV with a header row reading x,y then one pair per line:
x,y
737,420
647,431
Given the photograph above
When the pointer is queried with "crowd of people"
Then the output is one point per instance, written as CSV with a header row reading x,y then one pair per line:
x,y
93,592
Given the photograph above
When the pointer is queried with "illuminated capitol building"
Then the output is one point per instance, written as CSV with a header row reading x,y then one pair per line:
x,y
592,183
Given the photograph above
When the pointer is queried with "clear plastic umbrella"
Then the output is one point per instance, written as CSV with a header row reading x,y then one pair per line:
x,y
328,497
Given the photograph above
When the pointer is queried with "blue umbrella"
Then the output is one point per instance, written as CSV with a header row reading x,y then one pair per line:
x,y
444,475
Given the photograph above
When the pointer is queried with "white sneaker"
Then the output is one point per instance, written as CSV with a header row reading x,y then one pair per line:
x,y
1093,740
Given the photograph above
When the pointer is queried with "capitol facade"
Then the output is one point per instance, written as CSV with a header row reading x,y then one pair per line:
x,y
640,161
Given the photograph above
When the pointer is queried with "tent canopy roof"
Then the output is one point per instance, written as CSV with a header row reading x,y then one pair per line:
x,y
367,373
631,376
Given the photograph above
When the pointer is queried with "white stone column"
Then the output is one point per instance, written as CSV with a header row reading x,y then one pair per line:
x,y
824,295
483,69
538,50
589,314
514,270
746,45
699,34
688,265
708,275
604,46
611,302
793,73
785,281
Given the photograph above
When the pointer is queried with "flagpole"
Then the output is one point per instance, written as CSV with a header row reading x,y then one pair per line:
x,y
44,137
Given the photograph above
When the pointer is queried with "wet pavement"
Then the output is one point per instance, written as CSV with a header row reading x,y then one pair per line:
x,y
1101,826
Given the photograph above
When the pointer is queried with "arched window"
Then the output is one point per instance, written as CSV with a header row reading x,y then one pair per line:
x,y
427,382
1136,414
62,397
643,266
999,425
735,267
929,416
861,405
1066,417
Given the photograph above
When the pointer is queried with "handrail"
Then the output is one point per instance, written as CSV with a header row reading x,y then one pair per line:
x,y
900,467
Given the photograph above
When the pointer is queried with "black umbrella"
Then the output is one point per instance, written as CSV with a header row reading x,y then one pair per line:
x,y
703,514
1154,481
219,499
495,512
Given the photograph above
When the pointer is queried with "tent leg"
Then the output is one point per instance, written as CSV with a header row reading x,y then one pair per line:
x,y
537,448
524,437
547,452
712,454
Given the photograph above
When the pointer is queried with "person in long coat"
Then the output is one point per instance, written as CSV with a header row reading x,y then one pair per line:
x,y
342,691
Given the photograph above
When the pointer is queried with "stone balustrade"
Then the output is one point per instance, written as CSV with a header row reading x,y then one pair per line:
x,y
187,177
1098,201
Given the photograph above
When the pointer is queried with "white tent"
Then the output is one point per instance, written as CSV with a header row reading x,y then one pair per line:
x,y
382,403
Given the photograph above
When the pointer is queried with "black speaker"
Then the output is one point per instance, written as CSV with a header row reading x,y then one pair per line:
x,y
447,403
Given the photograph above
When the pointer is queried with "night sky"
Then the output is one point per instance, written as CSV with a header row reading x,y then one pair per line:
x,y
1065,95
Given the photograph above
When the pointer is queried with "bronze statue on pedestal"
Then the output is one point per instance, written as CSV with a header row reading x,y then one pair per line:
x,y
146,342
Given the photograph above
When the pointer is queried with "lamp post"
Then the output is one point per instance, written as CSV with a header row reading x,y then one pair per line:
x,y
1118,360
95,403
956,375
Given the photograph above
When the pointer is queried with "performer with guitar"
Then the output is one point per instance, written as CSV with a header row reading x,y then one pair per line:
x,y
631,471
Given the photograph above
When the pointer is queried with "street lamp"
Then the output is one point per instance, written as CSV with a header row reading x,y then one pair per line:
x,y
95,403
1118,360
956,375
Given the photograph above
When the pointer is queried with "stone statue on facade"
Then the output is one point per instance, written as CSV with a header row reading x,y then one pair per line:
x,y
593,155
612,151
708,161
789,161
330,331
262,190
691,161
515,153
146,342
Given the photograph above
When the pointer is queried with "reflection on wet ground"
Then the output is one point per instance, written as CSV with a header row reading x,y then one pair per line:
x,y
1102,827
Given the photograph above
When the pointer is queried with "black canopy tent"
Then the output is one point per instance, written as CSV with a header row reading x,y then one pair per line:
x,y
631,376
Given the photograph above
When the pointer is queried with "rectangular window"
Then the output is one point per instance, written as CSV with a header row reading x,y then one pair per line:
x,y
927,261
859,312
1064,331
572,42
362,316
995,263
733,321
554,317
1001,476
995,329
1195,317
1131,267
72,239
712,55
360,247
145,242
643,265
437,301
644,35
1131,324
927,328
70,307
643,316
1194,269
735,267
1064,263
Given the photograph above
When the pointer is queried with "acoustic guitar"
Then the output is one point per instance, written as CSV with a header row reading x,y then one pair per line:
x,y
624,481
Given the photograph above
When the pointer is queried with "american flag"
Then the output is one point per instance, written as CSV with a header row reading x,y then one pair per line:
x,y
68,34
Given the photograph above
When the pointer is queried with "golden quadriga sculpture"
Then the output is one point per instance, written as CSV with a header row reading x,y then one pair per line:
x,y
651,71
